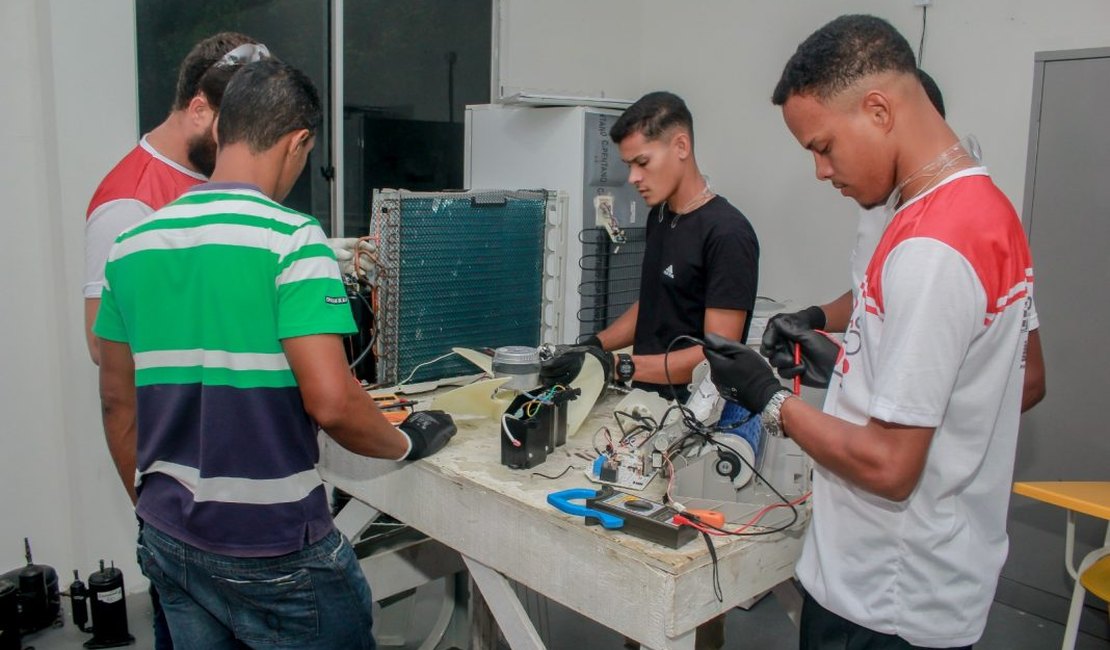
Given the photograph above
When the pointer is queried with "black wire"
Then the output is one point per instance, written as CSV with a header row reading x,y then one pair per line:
x,y
921,43
688,417
696,428
641,426
793,508
716,574
559,475
373,334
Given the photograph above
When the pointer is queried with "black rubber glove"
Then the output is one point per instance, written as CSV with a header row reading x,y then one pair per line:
x,y
819,353
429,432
740,374
566,362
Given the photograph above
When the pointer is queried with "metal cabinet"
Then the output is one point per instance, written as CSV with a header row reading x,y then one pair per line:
x,y
1067,217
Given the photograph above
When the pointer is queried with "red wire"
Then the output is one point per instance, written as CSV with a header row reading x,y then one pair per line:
x,y
759,515
684,521
797,362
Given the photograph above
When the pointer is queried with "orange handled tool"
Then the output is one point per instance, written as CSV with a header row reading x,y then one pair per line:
x,y
711,517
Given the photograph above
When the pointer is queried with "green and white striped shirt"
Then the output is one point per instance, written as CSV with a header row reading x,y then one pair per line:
x,y
203,291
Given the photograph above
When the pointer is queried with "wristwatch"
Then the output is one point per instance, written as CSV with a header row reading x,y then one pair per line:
x,y
624,368
771,417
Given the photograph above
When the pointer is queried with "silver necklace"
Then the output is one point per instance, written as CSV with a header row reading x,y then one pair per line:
x,y
937,169
704,197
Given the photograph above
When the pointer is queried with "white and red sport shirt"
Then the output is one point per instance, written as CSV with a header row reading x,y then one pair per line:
x,y
936,340
142,182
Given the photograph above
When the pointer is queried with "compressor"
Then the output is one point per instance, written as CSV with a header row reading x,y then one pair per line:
x,y
39,601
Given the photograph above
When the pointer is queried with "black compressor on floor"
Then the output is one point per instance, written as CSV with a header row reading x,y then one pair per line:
x,y
34,589
108,605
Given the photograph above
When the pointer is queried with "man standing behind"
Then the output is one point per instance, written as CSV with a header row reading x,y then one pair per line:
x,y
915,450
178,154
701,261
220,353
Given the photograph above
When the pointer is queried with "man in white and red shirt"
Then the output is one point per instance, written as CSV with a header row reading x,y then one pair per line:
x,y
178,154
914,450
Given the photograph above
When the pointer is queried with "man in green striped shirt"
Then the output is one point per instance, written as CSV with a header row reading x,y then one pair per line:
x,y
220,327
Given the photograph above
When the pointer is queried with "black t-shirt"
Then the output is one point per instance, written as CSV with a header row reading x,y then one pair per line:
x,y
705,259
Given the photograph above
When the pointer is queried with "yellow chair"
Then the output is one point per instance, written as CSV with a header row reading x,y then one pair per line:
x,y
1090,498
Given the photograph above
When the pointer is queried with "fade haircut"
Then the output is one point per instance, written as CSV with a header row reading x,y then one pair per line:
x,y
653,115
841,53
932,90
201,60
264,101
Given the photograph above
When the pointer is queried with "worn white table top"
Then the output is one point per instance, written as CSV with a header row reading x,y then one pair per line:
x,y
467,500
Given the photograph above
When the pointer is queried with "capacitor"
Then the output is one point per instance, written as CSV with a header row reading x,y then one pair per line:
x,y
78,601
9,616
109,609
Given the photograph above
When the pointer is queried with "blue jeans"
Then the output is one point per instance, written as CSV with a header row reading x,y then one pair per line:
x,y
316,598
162,640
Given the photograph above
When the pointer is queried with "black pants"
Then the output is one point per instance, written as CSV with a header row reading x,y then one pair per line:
x,y
824,630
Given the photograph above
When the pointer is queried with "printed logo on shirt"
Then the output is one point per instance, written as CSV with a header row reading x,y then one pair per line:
x,y
669,271
332,300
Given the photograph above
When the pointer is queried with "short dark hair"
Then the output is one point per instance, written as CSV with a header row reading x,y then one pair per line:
x,y
932,90
841,53
653,115
202,60
264,101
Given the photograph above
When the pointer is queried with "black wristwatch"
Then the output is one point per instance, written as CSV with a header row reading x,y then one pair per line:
x,y
624,368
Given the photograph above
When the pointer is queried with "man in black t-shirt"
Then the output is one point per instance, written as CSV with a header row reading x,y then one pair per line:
x,y
701,262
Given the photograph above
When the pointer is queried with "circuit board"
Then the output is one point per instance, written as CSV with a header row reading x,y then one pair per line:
x,y
626,469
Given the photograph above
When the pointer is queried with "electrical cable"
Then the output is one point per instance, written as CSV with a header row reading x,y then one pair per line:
x,y
787,502
921,43
697,428
505,429
373,334
608,437
716,574
557,476
421,365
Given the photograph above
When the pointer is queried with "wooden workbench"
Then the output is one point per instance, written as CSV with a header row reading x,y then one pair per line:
x,y
499,521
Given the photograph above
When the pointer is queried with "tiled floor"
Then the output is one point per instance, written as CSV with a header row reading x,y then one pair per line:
x,y
764,627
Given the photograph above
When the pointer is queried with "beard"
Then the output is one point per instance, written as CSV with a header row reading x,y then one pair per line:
x,y
201,151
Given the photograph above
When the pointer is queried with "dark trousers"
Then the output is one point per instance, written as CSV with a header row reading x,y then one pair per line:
x,y
824,630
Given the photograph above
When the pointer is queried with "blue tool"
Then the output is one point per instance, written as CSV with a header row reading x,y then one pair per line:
x,y
562,501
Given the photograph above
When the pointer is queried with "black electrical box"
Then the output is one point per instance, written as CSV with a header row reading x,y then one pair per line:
x,y
526,432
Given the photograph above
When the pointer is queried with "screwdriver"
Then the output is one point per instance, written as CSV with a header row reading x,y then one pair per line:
x,y
797,362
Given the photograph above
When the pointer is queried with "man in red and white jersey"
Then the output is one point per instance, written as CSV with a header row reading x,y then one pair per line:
x,y
786,329
914,448
178,154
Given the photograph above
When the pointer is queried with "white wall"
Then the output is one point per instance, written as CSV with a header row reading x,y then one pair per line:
x,y
583,48
724,57
69,78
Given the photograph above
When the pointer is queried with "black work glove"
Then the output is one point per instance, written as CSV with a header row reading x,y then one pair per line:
x,y
429,432
740,374
819,353
566,362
